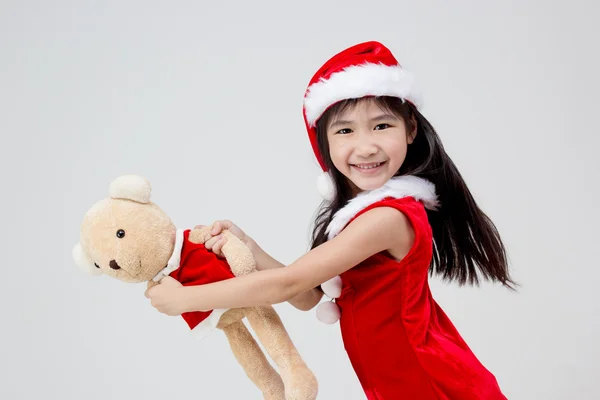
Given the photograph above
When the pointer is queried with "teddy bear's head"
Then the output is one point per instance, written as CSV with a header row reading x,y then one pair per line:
x,y
126,236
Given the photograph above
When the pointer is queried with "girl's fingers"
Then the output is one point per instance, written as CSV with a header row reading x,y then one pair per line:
x,y
216,228
210,243
219,246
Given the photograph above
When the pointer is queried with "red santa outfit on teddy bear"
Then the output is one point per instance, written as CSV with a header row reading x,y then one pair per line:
x,y
192,264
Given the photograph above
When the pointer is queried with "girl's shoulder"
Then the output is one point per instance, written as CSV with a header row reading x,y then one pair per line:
x,y
408,194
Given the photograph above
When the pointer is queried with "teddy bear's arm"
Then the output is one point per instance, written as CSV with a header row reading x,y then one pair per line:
x,y
238,255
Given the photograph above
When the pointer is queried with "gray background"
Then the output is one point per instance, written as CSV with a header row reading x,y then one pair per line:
x,y
205,101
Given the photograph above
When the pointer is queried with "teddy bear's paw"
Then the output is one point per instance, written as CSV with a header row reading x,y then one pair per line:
x,y
274,395
200,235
301,384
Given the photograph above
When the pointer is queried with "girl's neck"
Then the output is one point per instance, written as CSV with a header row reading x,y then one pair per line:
x,y
355,190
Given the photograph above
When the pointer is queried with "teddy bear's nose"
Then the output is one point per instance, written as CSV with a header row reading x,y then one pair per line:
x,y
113,264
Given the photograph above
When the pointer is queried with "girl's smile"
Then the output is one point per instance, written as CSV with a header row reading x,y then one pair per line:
x,y
369,169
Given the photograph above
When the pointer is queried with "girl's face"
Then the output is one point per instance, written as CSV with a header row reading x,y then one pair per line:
x,y
367,144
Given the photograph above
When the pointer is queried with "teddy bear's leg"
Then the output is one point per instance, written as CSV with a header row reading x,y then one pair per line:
x,y
238,255
300,383
253,361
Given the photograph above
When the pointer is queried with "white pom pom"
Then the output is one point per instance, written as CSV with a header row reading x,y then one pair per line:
x,y
325,186
83,261
131,187
333,287
328,312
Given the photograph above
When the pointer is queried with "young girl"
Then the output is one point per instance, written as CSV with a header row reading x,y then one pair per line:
x,y
397,209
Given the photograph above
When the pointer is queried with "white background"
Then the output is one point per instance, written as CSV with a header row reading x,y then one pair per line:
x,y
205,101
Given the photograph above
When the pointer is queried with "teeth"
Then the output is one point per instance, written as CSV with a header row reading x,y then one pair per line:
x,y
368,166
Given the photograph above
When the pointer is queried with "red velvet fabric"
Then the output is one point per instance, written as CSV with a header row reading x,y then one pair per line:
x,y
400,342
199,266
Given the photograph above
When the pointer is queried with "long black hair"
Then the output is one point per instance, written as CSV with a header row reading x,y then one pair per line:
x,y
465,239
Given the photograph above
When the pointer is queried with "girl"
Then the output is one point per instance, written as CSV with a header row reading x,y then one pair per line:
x,y
397,208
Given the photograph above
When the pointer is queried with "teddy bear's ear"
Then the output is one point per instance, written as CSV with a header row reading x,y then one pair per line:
x,y
83,261
131,187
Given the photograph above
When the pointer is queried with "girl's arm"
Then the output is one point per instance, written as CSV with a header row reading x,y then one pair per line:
x,y
303,301
376,230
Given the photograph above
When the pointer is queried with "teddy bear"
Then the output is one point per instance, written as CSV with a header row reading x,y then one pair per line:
x,y
128,237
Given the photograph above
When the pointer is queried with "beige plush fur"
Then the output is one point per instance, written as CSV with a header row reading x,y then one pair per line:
x,y
129,238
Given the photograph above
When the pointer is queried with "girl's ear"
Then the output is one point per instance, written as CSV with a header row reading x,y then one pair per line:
x,y
412,134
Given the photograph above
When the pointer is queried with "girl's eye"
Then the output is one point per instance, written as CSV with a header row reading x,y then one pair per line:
x,y
344,131
382,126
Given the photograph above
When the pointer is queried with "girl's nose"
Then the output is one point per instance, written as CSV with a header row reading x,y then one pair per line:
x,y
365,147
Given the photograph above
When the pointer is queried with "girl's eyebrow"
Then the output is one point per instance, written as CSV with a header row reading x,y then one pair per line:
x,y
381,117
339,122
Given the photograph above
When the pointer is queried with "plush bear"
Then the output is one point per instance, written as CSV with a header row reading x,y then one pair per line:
x,y
128,237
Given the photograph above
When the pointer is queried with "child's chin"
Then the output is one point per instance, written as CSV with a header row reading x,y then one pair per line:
x,y
370,184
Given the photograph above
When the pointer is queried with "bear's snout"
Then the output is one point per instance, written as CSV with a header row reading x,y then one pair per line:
x,y
113,264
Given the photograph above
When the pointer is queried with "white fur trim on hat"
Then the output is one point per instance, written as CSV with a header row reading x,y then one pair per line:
x,y
397,187
131,187
358,81
326,186
83,260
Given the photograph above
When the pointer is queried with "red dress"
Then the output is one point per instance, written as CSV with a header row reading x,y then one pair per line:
x,y
400,342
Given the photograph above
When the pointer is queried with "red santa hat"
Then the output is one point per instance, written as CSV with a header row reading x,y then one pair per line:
x,y
365,69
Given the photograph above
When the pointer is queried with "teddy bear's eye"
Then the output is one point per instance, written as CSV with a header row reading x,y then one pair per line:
x,y
97,266
120,233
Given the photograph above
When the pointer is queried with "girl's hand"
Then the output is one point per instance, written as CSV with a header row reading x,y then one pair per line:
x,y
216,241
167,297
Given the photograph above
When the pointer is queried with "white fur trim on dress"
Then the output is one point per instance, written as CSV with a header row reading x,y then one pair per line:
x,y
397,187
358,81
328,312
175,259
333,287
